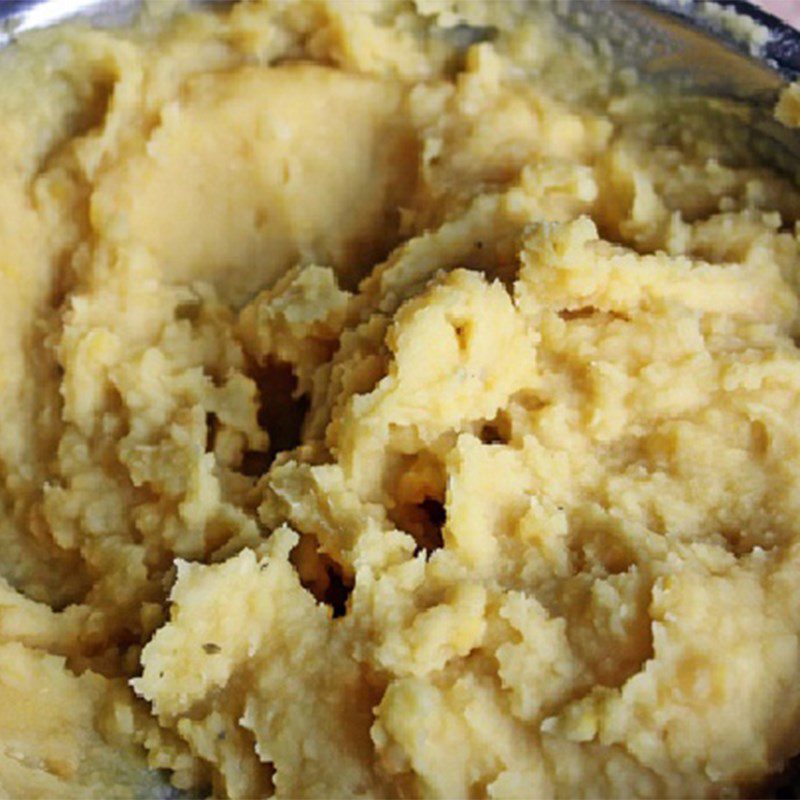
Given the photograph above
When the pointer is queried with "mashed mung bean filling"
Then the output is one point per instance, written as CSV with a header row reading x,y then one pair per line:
x,y
382,416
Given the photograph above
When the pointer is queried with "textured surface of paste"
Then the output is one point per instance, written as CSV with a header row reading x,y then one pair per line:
x,y
380,418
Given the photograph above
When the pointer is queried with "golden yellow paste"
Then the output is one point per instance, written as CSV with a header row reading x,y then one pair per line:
x,y
385,415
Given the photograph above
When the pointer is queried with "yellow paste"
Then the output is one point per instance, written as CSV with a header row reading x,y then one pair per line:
x,y
382,416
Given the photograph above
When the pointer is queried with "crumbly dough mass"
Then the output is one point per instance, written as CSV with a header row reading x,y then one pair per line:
x,y
383,415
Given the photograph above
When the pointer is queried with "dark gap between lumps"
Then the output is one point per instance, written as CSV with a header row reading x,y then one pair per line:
x,y
432,516
280,414
337,592
490,434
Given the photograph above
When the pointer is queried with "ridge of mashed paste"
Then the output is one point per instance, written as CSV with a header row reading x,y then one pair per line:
x,y
382,416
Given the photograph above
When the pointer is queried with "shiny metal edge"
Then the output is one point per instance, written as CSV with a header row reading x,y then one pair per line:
x,y
685,53
19,16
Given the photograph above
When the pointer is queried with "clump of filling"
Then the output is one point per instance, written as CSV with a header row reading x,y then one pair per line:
x,y
384,416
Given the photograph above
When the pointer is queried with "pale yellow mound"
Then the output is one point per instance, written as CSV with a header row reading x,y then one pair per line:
x,y
380,418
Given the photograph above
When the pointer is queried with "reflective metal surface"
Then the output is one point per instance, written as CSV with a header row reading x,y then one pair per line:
x,y
19,16
675,43
685,51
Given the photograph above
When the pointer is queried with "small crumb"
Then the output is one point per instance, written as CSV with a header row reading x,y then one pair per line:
x,y
211,648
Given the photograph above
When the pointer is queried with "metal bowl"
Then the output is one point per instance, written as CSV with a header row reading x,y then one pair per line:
x,y
680,45
688,51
